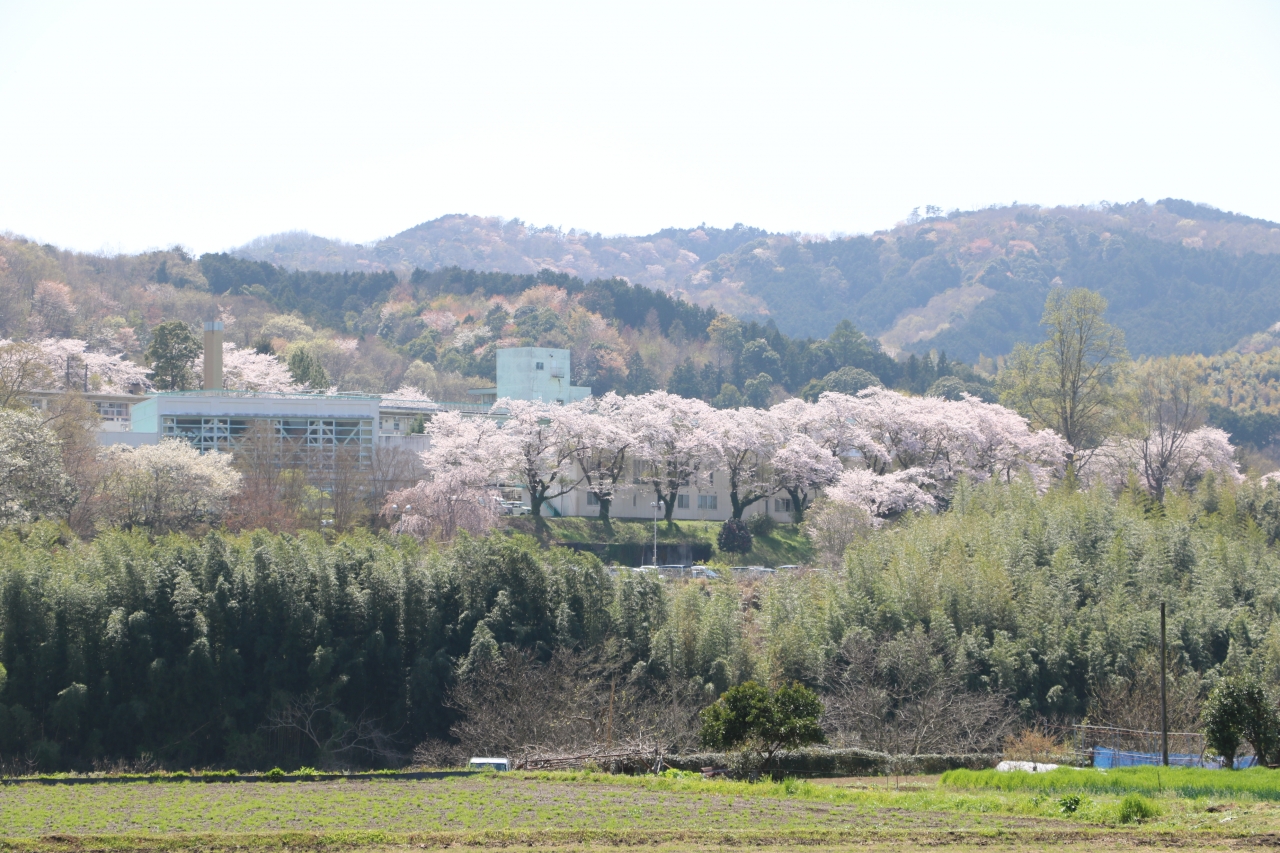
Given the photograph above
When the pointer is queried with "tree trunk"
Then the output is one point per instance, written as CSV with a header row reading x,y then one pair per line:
x,y
797,505
605,504
739,505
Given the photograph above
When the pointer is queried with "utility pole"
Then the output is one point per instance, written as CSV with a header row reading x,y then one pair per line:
x,y
1164,707
655,532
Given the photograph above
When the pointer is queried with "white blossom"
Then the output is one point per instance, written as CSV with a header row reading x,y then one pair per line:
x,y
165,487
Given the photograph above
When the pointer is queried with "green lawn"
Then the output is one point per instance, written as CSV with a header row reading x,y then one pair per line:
x,y
595,811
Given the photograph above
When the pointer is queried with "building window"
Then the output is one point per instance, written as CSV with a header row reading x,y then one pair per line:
x,y
537,365
113,411
708,502
782,504
593,499
682,501
711,478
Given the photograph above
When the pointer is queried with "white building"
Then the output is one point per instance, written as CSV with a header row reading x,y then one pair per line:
x,y
532,373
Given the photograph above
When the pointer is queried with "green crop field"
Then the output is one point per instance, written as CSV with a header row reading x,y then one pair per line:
x,y
594,811
1254,784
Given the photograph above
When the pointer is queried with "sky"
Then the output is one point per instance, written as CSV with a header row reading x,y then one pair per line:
x,y
131,125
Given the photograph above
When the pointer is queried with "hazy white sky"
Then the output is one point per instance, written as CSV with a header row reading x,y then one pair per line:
x,y
129,125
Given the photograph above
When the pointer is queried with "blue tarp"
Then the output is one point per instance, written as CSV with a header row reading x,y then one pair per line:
x,y
1105,758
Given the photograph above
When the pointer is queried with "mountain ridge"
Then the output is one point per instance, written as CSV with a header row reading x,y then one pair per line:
x,y
968,282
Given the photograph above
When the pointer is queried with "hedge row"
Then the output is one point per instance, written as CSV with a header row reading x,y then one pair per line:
x,y
839,762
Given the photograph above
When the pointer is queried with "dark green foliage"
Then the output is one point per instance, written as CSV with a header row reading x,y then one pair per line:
x,y
1237,711
849,380
183,649
172,354
307,369
762,720
757,392
734,537
324,298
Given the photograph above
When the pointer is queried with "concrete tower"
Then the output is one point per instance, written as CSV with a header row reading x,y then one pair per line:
x,y
213,356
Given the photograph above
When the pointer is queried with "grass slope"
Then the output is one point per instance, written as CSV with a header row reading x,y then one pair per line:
x,y
786,545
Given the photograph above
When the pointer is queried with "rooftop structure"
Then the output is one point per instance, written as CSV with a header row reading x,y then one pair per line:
x,y
532,373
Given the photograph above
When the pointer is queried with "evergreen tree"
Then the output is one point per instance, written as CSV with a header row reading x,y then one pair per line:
x,y
172,354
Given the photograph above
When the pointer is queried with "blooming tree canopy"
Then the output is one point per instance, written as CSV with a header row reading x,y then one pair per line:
x,y
745,440
33,483
73,367
165,487
250,370
673,443
1200,452
600,438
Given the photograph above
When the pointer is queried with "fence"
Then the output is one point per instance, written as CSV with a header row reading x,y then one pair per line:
x,y
1106,747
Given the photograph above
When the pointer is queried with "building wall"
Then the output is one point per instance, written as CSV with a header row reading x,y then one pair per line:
x,y
709,502
537,373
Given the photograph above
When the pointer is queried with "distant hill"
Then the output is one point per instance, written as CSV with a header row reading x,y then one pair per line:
x,y
1181,277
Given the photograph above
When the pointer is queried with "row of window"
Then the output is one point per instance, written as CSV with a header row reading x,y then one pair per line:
x,y
682,501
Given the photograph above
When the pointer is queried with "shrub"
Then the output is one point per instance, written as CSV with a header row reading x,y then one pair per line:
x,y
275,774
734,537
1034,745
761,524
1070,804
1239,710
1135,808
763,721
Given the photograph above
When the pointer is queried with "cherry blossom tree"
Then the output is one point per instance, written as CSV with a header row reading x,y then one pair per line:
x,y
464,445
165,487
250,370
800,468
600,438
745,441
673,445
75,368
883,495
533,447
33,481
1203,451
450,503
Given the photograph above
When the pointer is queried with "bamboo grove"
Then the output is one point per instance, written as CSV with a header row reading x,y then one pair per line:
x,y
190,651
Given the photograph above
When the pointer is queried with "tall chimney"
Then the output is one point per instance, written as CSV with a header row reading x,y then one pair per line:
x,y
213,356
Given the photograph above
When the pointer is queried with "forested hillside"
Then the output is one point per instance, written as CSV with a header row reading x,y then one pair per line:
x,y
1180,277
437,331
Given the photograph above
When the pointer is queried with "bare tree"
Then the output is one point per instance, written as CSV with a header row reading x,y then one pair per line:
x,y
1133,702
1169,410
264,498
905,696
570,705
336,740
